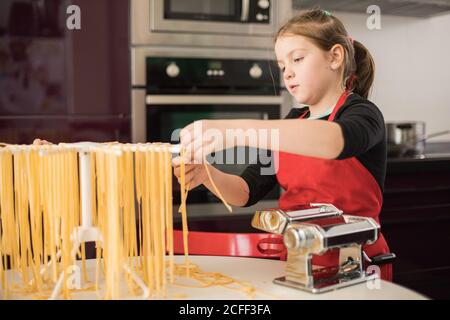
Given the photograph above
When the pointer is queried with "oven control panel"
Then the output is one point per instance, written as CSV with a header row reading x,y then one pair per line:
x,y
164,73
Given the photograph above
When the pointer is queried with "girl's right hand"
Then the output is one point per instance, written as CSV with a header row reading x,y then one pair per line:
x,y
39,142
195,174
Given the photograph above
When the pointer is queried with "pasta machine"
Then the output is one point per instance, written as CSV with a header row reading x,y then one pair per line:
x,y
315,229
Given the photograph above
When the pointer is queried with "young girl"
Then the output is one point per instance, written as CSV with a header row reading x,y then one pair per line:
x,y
332,151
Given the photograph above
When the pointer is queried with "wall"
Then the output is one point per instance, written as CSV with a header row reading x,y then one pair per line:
x,y
412,80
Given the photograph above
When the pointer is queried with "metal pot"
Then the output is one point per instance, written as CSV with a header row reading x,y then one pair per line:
x,y
407,138
403,138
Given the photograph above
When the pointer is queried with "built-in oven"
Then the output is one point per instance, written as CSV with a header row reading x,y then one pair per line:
x,y
181,90
167,114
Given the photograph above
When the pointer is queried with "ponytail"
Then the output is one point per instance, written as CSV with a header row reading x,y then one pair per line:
x,y
365,70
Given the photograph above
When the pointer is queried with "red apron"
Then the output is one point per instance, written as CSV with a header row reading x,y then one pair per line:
x,y
347,184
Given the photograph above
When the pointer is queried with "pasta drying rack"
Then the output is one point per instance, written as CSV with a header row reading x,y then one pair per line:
x,y
87,232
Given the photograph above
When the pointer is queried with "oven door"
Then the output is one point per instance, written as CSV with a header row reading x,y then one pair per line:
x,y
165,114
245,17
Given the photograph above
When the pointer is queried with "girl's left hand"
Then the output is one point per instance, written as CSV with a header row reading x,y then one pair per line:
x,y
202,138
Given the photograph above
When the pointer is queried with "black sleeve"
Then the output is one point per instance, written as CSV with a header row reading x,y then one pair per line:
x,y
258,181
362,126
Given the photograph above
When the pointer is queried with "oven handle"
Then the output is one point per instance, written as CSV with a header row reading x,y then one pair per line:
x,y
245,10
211,99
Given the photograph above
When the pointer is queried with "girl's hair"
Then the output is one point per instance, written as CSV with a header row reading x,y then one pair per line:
x,y
325,30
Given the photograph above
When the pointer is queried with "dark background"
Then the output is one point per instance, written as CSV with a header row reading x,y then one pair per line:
x,y
60,84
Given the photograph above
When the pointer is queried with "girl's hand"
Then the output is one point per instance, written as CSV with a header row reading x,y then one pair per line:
x,y
195,174
39,142
202,138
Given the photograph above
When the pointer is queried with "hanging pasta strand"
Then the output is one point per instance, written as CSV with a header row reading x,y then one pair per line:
x,y
183,209
113,236
9,239
162,217
45,179
22,222
147,226
138,185
65,221
132,208
153,191
51,214
99,183
32,163
169,208
219,194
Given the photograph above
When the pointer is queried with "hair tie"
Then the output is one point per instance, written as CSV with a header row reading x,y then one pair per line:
x,y
327,13
351,40
350,81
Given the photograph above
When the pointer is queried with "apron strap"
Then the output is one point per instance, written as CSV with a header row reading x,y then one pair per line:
x,y
339,104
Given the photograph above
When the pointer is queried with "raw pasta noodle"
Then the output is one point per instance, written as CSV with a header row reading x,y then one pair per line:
x,y
151,179
152,168
36,225
111,232
162,216
132,207
208,279
9,241
183,209
169,214
219,194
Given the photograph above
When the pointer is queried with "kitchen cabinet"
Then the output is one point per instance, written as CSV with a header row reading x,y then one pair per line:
x,y
100,59
416,222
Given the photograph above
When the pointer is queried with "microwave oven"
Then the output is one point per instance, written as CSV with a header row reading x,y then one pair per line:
x,y
248,24
255,17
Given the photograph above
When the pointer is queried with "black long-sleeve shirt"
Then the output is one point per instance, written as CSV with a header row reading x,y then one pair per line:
x,y
364,134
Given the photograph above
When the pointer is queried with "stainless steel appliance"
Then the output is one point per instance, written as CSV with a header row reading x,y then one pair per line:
x,y
315,229
207,23
179,90
402,138
408,139
225,16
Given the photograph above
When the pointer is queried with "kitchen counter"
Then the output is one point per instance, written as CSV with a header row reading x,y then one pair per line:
x,y
435,158
259,273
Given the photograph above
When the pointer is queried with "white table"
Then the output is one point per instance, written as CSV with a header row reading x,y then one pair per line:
x,y
259,273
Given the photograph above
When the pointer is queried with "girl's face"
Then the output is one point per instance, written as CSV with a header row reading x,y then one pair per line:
x,y
305,67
